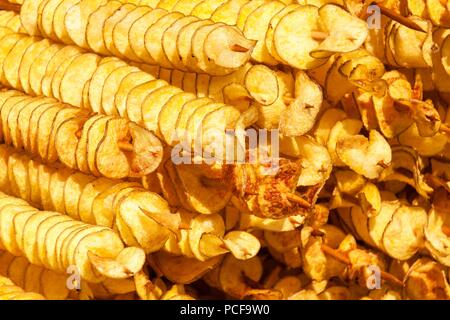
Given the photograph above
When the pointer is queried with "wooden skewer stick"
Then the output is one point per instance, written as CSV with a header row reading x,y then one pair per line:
x,y
319,35
400,19
238,48
124,146
288,100
342,258
299,200
5,5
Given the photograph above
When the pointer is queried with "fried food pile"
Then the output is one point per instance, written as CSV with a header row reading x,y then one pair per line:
x,y
224,149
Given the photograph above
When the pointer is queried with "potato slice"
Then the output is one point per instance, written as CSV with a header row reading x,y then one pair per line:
x,y
41,235
346,32
30,55
438,13
81,154
109,25
8,238
131,81
123,229
19,221
390,121
184,6
138,28
256,26
44,174
218,83
189,82
5,109
62,115
201,197
110,161
67,139
334,94
213,133
76,20
4,96
77,74
88,195
205,9
169,41
154,36
111,86
445,54
48,231
58,20
45,124
440,76
17,166
425,146
122,29
228,12
73,188
46,18
13,122
4,179
242,245
184,44
29,16
341,129
199,51
404,236
300,116
377,223
94,34
169,115
9,40
102,206
231,271
37,70
65,53
288,35
245,11
262,84
59,74
183,270
94,242
202,84
129,261
147,151
237,95
30,249
269,40
411,46
137,96
56,185
36,114
148,232
94,135
11,64
365,156
236,53
203,225
194,128
105,68
153,104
